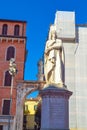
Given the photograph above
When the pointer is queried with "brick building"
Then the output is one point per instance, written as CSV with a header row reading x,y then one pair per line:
x,y
12,45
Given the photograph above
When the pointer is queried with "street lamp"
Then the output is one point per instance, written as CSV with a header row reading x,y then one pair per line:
x,y
12,72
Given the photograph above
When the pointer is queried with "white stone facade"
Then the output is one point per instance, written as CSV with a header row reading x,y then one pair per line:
x,y
75,47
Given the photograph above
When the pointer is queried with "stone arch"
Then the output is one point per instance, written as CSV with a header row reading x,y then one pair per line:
x,y
23,88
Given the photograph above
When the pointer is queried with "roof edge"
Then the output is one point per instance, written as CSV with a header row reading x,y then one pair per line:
x,y
11,20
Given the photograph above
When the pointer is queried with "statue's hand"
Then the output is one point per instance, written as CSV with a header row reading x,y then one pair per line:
x,y
48,50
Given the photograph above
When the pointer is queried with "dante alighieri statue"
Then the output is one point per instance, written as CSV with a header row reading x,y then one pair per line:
x,y
54,59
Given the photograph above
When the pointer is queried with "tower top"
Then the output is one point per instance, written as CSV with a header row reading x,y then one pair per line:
x,y
10,20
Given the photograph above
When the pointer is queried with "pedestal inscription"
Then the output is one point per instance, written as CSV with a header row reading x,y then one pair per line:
x,y
57,112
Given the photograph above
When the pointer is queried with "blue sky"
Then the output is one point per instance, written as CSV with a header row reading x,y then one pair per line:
x,y
39,14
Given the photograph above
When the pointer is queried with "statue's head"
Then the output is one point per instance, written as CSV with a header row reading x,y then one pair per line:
x,y
52,32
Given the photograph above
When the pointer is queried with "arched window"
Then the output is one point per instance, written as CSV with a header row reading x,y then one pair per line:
x,y
16,30
8,78
6,108
10,53
4,29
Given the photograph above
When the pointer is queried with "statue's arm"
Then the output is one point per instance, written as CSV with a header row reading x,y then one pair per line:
x,y
48,50
54,47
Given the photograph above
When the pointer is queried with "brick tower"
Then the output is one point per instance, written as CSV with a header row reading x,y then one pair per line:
x,y
12,45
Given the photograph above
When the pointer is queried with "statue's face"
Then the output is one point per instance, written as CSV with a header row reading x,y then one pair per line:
x,y
53,36
53,32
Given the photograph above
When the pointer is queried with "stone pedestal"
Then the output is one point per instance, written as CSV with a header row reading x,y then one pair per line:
x,y
55,108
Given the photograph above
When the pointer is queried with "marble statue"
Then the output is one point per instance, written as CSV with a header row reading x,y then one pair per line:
x,y
54,59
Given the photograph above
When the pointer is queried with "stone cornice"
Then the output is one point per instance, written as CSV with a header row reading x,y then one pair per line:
x,y
53,91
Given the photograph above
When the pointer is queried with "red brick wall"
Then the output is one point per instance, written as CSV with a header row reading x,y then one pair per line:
x,y
11,25
19,44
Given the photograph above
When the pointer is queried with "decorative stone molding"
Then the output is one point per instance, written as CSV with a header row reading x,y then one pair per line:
x,y
53,91
12,39
5,119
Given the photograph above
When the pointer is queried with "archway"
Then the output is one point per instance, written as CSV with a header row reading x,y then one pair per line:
x,y
30,108
24,88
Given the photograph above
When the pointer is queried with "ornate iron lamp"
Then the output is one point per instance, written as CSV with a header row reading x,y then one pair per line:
x,y
12,72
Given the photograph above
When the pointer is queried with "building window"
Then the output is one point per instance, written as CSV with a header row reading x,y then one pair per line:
x,y
6,107
16,30
10,53
8,78
4,29
35,107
